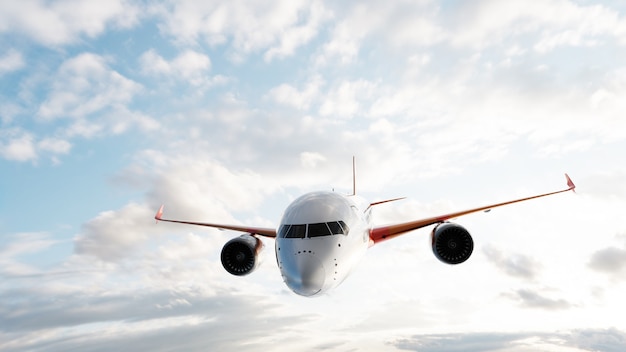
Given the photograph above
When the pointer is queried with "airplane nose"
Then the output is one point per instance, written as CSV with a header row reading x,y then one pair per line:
x,y
307,277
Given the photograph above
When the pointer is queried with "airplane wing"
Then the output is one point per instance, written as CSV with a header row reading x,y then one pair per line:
x,y
267,232
383,233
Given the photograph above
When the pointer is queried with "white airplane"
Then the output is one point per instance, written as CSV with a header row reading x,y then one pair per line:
x,y
323,235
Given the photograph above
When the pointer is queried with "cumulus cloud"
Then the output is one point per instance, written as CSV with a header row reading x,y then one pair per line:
x,y
55,145
17,145
189,65
276,28
191,190
93,98
64,22
289,95
11,61
85,85
112,235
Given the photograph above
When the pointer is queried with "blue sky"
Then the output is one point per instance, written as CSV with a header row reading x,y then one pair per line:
x,y
227,111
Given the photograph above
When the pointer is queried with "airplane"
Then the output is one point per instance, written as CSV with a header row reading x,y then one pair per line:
x,y
323,235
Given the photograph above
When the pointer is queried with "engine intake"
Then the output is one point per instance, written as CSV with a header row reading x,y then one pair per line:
x,y
452,244
240,255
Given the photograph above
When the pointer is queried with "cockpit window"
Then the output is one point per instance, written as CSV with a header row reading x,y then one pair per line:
x,y
315,230
320,229
345,227
282,232
338,227
296,231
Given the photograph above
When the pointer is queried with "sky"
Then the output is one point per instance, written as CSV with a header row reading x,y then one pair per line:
x,y
226,111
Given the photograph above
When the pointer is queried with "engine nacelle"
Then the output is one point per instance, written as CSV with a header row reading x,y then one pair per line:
x,y
452,244
240,256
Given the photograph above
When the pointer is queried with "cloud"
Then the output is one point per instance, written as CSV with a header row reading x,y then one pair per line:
x,y
64,22
275,28
22,146
610,260
11,61
55,145
483,23
189,65
171,294
286,94
532,299
191,189
347,99
17,145
310,160
85,85
517,265
93,99
112,235
460,342
109,318
607,340
20,244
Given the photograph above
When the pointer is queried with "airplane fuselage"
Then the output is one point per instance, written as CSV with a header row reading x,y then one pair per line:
x,y
321,237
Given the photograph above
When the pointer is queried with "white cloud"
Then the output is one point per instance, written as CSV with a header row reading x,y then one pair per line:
x,y
286,94
55,145
347,99
310,159
85,85
189,65
188,188
11,61
94,98
559,22
64,22
17,145
298,35
20,244
517,265
112,235
610,260
277,28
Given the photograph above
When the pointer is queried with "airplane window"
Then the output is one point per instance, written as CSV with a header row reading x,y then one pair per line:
x,y
282,233
335,228
345,227
296,231
320,229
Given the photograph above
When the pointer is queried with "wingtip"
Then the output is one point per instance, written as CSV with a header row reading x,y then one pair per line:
x,y
159,214
570,183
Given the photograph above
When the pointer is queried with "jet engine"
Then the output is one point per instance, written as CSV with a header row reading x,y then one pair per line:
x,y
240,256
452,244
